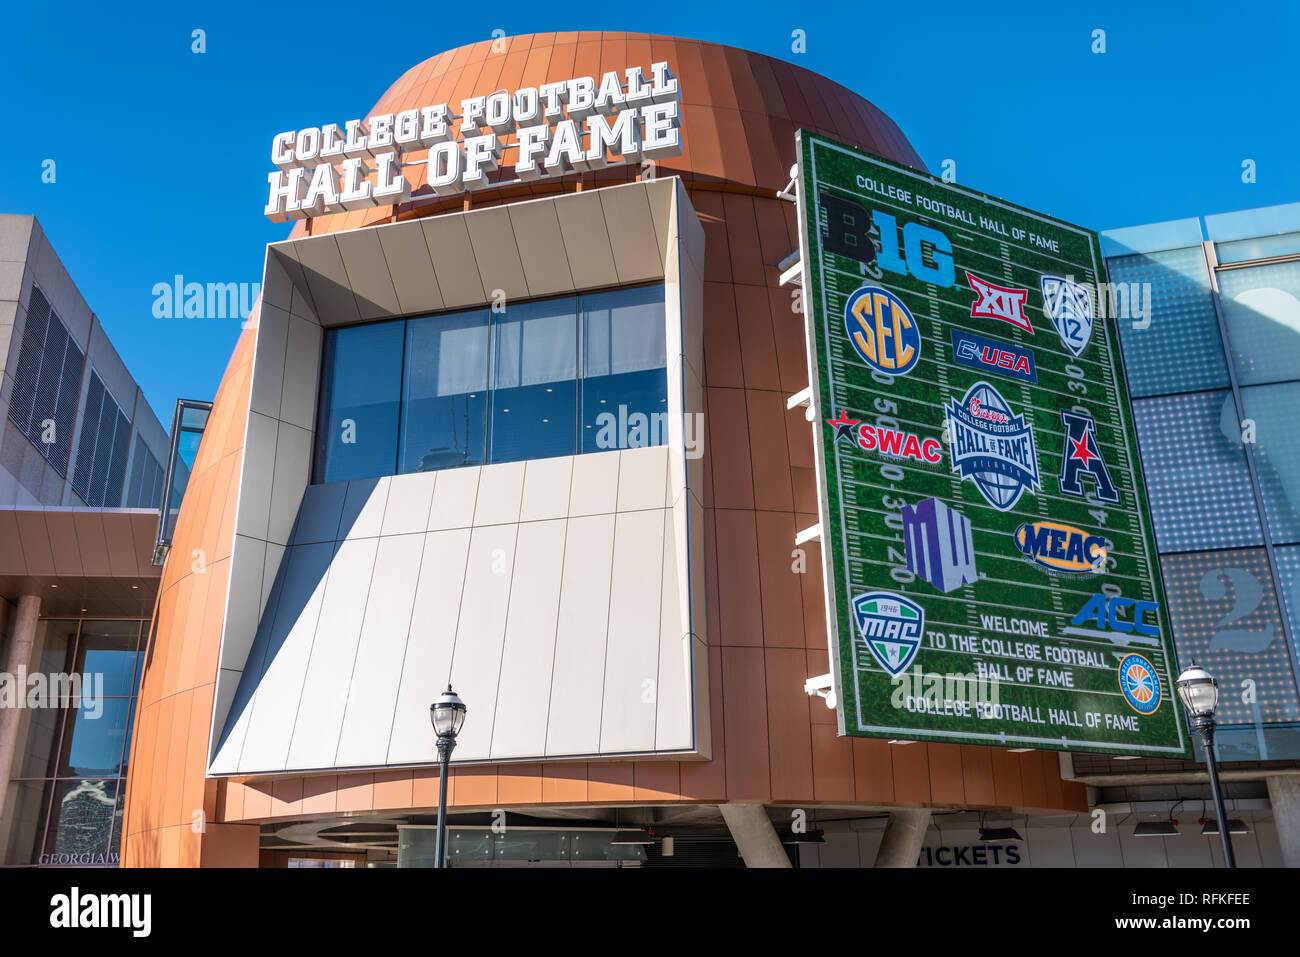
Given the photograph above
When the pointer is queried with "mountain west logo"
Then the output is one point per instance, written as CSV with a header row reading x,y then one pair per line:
x,y
940,548
1069,305
992,446
1081,457
976,352
1061,548
893,443
999,302
882,330
891,627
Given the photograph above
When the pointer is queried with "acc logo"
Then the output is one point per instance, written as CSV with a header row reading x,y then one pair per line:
x,y
999,302
1069,305
1060,548
1080,456
1108,613
890,442
1140,684
992,446
891,627
882,330
977,352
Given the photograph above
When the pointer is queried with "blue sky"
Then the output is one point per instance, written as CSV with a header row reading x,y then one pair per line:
x,y
162,154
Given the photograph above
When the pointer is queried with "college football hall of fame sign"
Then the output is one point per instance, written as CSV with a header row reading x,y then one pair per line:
x,y
988,555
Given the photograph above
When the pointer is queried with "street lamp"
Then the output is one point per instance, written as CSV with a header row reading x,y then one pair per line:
x,y
447,715
1200,694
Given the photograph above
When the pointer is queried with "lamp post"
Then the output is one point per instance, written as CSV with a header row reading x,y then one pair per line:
x,y
1200,694
447,715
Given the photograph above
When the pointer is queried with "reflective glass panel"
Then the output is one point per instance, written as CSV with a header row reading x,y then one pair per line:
x,y
1273,414
444,393
94,737
624,379
360,402
534,381
107,651
1261,306
81,821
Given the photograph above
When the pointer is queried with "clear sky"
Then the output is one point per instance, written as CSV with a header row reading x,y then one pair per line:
x,y
162,154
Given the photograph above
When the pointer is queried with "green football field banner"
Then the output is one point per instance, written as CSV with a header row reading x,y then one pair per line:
x,y
988,553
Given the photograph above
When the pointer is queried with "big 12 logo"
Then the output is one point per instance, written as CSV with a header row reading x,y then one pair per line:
x,y
848,233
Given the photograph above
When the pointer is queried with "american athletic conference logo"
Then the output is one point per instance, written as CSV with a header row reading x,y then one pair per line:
x,y
992,446
1140,684
882,330
891,627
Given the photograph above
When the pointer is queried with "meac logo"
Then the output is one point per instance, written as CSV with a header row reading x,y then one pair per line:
x,y
882,330
1060,548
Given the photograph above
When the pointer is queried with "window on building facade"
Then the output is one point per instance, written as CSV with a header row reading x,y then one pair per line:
x,y
47,383
1261,308
64,803
538,379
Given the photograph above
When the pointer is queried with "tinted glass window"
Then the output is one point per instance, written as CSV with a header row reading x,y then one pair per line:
x,y
361,402
444,392
1261,307
624,375
534,381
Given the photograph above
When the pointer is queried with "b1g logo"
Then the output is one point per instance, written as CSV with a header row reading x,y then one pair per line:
x,y
925,253
992,446
1081,456
1060,548
999,302
891,627
1140,684
882,330
1069,305
977,352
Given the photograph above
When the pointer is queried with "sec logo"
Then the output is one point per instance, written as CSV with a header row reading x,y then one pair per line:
x,y
1140,684
882,331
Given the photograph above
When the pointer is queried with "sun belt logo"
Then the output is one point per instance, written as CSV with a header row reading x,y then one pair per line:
x,y
992,446
882,330
893,443
940,547
1118,619
977,352
1069,305
1061,548
999,302
1140,683
1081,457
891,627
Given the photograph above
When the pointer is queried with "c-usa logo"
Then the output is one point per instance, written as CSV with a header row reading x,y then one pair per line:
x,y
891,627
1069,305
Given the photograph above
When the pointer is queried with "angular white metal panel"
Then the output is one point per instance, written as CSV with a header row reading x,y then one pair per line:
x,y
327,682
594,489
476,659
301,372
363,508
407,256
377,673
546,489
454,496
528,653
367,273
318,516
409,500
673,685
255,486
632,647
268,361
292,470
500,492
573,719
429,644
642,478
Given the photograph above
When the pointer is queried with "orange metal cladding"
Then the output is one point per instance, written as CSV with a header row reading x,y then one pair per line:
x,y
766,627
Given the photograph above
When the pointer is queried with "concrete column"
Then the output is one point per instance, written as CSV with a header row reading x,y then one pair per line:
x,y
754,835
1284,796
20,659
904,835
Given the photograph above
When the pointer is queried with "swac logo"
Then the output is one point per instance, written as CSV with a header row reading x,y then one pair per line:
x,y
1060,548
999,302
891,627
1114,621
1140,683
890,442
1069,305
992,446
978,352
882,330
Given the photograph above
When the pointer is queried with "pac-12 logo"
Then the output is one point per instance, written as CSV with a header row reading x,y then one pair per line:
x,y
992,446
1061,548
1140,684
1081,456
1069,305
891,626
882,330
999,302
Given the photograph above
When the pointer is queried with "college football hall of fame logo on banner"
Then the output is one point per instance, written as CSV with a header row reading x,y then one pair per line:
x,y
987,552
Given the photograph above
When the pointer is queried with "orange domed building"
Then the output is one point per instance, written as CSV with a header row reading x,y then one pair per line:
x,y
445,451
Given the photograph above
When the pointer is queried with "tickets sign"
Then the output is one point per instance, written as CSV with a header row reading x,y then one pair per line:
x,y
988,553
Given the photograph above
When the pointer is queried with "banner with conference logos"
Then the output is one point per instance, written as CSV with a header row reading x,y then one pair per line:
x,y
988,553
